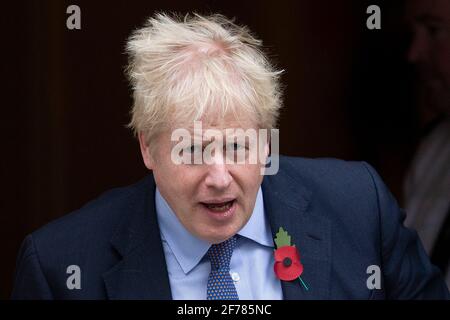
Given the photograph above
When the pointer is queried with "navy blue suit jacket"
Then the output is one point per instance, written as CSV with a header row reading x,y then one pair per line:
x,y
340,215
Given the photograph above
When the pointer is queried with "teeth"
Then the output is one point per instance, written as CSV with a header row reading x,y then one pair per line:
x,y
220,206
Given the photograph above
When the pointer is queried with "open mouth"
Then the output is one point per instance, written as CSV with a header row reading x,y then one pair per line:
x,y
220,206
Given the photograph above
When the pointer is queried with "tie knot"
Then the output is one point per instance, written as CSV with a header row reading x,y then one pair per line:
x,y
220,254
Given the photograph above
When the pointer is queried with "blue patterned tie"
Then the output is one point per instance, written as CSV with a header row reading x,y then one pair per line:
x,y
220,285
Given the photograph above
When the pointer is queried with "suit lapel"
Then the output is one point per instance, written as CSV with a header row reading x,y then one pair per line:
x,y
288,204
142,272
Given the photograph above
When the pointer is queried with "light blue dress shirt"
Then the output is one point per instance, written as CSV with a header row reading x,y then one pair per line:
x,y
251,265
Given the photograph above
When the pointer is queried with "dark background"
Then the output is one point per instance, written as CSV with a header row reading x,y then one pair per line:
x,y
65,99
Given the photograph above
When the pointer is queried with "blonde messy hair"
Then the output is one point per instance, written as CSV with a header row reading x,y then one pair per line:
x,y
184,69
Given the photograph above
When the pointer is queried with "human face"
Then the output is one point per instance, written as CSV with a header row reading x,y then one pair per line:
x,y
212,201
430,49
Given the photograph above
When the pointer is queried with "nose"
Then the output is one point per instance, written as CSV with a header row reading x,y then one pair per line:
x,y
218,176
418,49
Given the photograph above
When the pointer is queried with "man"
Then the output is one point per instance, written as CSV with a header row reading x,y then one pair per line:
x,y
205,223
427,184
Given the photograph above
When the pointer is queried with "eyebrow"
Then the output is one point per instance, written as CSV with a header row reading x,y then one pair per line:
x,y
226,139
429,18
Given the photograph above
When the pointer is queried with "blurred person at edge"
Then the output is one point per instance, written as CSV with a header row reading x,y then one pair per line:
x,y
427,182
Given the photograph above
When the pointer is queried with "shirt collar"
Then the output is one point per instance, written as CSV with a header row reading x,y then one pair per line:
x,y
188,249
257,227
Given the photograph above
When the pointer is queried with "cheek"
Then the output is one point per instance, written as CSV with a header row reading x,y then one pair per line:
x,y
443,60
187,183
164,177
249,179
445,73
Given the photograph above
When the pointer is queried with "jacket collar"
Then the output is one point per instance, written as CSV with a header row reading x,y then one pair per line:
x,y
288,203
142,272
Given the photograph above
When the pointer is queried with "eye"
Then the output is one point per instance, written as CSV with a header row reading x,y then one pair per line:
x,y
195,148
235,146
435,30
432,29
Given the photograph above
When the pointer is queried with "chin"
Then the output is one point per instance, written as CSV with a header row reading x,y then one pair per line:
x,y
218,236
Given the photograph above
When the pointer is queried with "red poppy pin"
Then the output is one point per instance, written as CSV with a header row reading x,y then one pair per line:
x,y
287,259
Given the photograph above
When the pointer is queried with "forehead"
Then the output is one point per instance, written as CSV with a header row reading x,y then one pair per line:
x,y
216,121
428,10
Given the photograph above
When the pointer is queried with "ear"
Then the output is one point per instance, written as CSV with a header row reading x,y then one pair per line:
x,y
145,152
267,146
